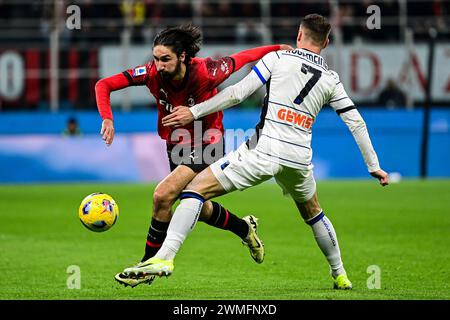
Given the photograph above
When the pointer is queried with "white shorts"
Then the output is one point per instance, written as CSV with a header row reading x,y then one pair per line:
x,y
244,168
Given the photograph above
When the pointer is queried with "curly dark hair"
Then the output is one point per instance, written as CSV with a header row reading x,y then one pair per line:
x,y
185,38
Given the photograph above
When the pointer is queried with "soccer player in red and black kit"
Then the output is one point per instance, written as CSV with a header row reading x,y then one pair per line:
x,y
176,77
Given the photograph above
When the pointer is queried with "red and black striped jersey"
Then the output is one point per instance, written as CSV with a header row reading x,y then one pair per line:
x,y
199,84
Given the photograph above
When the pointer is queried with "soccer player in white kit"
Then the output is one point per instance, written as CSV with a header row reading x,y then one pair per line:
x,y
298,84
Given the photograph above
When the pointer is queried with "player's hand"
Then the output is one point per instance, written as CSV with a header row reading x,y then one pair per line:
x,y
381,176
180,116
285,47
107,131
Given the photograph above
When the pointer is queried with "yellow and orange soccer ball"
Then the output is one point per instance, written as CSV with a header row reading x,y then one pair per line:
x,y
98,212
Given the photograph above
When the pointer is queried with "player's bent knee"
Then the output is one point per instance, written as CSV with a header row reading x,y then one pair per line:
x,y
206,184
199,184
164,196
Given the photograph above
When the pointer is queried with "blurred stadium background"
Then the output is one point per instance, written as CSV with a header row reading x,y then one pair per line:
x,y
50,62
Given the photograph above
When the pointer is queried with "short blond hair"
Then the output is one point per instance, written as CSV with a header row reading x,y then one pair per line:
x,y
316,27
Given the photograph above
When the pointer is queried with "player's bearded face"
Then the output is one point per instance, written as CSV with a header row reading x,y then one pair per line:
x,y
168,64
168,74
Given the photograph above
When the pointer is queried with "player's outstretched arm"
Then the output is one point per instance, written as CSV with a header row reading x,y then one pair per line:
x,y
243,57
357,126
103,89
228,97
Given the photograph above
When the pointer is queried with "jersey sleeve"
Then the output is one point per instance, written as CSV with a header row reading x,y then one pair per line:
x,y
264,67
228,97
358,128
139,75
218,70
250,55
339,99
103,89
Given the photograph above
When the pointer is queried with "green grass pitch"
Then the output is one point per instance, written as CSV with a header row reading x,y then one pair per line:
x,y
404,229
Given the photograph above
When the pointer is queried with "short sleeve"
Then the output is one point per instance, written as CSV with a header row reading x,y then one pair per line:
x,y
139,75
265,66
219,70
339,99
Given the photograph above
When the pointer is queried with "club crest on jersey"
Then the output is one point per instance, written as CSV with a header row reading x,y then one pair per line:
x,y
139,71
224,67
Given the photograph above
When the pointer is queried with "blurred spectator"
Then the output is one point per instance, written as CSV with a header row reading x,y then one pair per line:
x,y
420,18
286,16
134,12
88,14
217,16
110,24
249,29
179,12
72,129
347,19
353,15
154,12
180,9
282,28
224,21
441,12
391,96
390,11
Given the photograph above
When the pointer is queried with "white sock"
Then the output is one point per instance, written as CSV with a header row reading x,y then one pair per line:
x,y
183,221
326,239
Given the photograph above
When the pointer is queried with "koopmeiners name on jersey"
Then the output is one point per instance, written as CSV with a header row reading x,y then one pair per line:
x,y
317,59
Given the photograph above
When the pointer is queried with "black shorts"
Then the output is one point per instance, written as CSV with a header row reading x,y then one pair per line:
x,y
198,158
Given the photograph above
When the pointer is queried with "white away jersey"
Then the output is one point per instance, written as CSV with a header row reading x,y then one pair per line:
x,y
298,83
